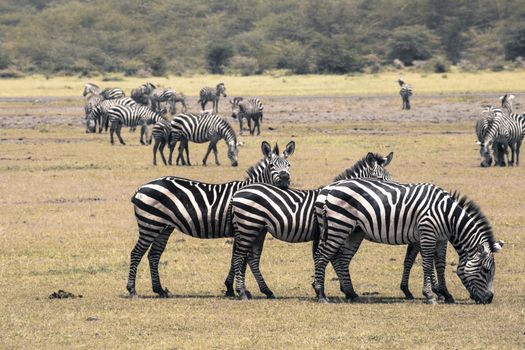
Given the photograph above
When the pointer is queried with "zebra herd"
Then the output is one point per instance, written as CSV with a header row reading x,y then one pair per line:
x,y
499,129
362,203
148,106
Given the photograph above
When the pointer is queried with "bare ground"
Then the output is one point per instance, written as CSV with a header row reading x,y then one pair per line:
x,y
36,112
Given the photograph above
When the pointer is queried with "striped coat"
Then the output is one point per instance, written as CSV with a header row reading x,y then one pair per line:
x,y
135,115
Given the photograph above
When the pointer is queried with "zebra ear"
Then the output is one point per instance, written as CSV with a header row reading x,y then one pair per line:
x,y
290,148
388,159
498,246
266,149
370,158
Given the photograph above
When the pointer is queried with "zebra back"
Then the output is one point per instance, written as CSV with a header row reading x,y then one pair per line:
x,y
112,93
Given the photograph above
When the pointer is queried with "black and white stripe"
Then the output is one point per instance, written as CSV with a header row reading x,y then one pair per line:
x,y
132,116
287,214
209,94
392,213
194,208
205,127
251,110
507,129
163,134
405,91
99,113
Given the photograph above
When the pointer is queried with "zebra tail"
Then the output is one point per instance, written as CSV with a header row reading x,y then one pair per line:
x,y
323,233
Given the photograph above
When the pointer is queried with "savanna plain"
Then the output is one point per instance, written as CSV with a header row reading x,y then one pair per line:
x,y
67,223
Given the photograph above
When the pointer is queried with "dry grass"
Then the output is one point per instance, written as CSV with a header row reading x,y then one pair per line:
x,y
67,223
283,85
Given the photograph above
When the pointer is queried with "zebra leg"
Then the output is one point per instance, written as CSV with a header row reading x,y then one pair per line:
x,y
240,125
254,261
142,133
216,154
155,147
142,245
119,128
111,131
428,248
231,276
518,145
258,125
161,151
440,261
341,264
408,102
410,258
180,156
157,248
239,262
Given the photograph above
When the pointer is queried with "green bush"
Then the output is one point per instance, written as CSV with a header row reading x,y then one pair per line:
x,y
217,56
409,43
245,65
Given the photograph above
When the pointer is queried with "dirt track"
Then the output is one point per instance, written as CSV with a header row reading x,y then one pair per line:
x,y
30,112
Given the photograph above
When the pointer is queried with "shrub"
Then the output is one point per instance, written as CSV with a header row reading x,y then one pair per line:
x,y
409,43
245,65
217,56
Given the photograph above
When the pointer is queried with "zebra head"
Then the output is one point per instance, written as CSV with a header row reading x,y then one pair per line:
x,y
221,89
372,165
477,272
278,166
90,125
235,106
506,101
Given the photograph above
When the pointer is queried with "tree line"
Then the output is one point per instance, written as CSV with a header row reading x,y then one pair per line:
x,y
250,36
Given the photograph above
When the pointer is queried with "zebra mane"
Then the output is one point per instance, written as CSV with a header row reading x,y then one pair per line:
x,y
255,170
361,164
474,211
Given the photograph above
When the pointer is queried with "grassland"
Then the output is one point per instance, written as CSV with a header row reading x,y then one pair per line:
x,y
278,84
67,223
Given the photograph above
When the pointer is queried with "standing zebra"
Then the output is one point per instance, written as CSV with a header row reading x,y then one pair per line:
x,y
251,109
142,94
159,96
99,113
392,213
208,94
205,127
506,128
500,145
95,95
134,115
506,102
405,91
194,208
163,134
288,215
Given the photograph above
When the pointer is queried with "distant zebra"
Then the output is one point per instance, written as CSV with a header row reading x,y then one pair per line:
x,y
112,93
142,94
194,208
91,89
405,92
205,127
506,102
208,94
134,115
99,113
163,134
251,110
393,213
159,96
505,129
500,145
288,215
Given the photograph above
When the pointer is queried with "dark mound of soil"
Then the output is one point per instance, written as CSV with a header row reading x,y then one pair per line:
x,y
61,294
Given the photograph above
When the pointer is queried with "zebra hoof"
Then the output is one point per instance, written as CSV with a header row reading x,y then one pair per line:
x,y
449,300
163,293
430,301
243,296
229,293
352,297
323,300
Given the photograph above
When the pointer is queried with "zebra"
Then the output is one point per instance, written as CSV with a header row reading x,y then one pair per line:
x,y
95,95
134,115
394,213
506,102
288,215
194,208
99,113
202,128
112,93
506,128
163,134
159,96
405,92
500,145
141,95
251,109
208,94
91,89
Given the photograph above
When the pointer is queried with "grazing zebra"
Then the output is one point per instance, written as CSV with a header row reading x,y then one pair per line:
x,y
99,113
393,213
205,127
506,102
500,145
195,208
208,94
134,115
288,215
163,134
251,109
504,128
405,92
